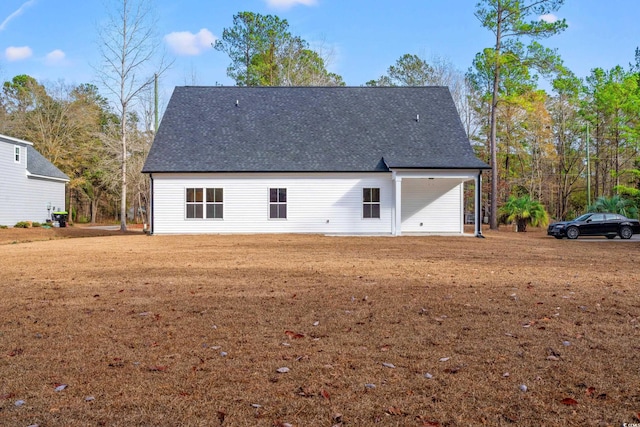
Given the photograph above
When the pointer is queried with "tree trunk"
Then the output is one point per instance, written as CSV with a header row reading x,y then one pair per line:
x,y
493,213
123,196
521,225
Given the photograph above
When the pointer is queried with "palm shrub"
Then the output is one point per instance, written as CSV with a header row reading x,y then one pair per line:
x,y
616,204
524,211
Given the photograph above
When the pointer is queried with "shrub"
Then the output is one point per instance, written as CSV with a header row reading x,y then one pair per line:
x,y
22,224
3,227
36,224
524,211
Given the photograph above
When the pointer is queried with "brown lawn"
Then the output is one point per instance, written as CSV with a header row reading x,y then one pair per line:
x,y
409,331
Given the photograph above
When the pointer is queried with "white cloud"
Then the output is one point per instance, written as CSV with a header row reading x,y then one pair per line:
x,y
286,4
189,44
15,14
549,17
17,53
55,57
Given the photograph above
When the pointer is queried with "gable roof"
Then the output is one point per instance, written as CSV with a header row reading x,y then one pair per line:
x,y
37,164
312,129
41,167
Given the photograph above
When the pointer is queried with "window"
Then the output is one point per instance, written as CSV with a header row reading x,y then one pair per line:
x,y
277,203
16,155
204,203
371,203
214,203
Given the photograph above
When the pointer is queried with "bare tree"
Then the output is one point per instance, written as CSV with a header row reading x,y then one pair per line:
x,y
128,49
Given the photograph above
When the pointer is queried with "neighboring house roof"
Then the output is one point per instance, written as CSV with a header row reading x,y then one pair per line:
x,y
39,166
311,129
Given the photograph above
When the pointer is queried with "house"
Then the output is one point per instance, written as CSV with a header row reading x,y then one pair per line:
x,y
31,187
352,160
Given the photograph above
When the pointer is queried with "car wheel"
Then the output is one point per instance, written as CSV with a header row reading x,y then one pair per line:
x,y
573,232
626,232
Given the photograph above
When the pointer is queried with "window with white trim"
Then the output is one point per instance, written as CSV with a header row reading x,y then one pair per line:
x,y
371,203
277,203
204,203
16,153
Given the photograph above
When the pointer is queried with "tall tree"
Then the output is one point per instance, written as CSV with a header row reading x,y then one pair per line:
x,y
409,70
128,49
263,52
510,20
569,140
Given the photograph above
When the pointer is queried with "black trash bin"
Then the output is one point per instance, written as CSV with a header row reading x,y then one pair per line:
x,y
61,218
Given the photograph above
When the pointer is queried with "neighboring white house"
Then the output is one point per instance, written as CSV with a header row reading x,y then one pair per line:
x,y
348,160
31,187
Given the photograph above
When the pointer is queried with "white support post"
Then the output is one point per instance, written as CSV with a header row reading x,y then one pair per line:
x,y
478,207
397,229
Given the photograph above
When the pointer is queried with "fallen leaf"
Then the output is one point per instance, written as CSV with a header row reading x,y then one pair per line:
x,y
394,411
293,335
6,396
453,370
60,387
282,370
15,352
157,368
221,416
389,365
590,391
553,358
325,394
444,359
569,401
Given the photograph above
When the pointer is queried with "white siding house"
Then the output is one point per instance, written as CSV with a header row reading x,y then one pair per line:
x,y
311,160
30,186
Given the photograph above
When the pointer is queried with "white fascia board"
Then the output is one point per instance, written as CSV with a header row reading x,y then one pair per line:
x,y
463,174
15,140
50,178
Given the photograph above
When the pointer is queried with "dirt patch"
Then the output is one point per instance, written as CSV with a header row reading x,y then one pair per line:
x,y
34,234
409,331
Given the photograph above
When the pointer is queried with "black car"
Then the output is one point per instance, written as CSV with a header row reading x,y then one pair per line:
x,y
595,224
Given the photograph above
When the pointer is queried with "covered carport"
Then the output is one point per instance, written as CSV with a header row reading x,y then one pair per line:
x,y
432,201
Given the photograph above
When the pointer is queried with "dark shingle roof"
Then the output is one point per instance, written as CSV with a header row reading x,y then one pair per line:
x,y
314,129
38,165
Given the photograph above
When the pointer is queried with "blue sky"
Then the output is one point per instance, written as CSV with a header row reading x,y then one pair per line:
x,y
56,40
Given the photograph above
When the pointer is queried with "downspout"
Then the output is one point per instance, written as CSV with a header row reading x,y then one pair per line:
x,y
151,215
479,205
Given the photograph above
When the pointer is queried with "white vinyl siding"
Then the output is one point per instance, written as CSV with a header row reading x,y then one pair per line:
x,y
318,203
24,198
432,205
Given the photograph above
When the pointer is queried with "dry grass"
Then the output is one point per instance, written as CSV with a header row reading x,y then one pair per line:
x,y
189,331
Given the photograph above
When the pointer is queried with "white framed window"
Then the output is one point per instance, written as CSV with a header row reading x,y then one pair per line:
x,y
370,203
16,153
204,203
277,203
